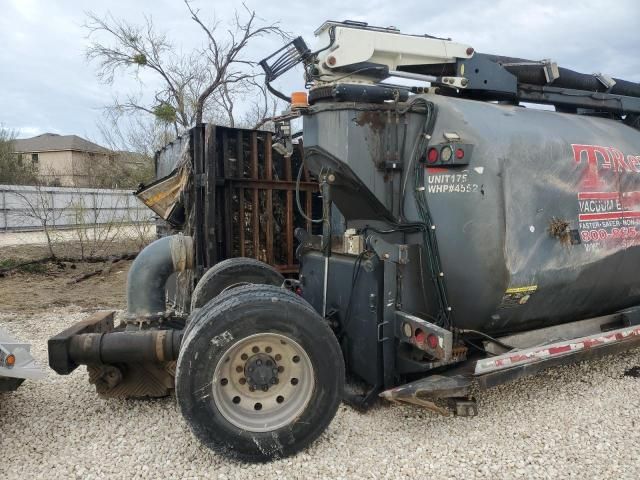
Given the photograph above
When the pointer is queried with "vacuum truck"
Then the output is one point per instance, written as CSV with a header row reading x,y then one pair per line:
x,y
480,240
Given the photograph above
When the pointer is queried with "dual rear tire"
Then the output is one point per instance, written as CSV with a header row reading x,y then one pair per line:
x,y
260,374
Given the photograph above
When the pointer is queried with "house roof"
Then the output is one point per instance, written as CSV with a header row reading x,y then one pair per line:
x,y
52,142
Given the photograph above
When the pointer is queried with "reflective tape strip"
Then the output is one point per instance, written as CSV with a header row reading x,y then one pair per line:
x,y
536,354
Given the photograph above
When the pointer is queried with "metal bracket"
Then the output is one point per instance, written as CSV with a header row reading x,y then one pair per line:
x,y
390,252
455,82
605,80
551,71
484,74
415,331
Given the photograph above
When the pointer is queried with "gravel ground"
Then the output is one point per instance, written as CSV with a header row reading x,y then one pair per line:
x,y
571,422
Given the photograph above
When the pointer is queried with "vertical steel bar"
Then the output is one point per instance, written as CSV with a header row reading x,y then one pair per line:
x,y
255,220
228,197
268,160
308,208
289,217
210,194
239,155
197,151
242,220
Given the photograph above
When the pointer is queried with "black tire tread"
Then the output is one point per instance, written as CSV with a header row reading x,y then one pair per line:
x,y
231,265
222,309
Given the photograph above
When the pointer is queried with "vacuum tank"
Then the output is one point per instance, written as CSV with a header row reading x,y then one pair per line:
x,y
537,213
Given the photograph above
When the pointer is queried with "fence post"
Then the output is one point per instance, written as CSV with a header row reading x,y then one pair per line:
x,y
53,206
94,195
4,210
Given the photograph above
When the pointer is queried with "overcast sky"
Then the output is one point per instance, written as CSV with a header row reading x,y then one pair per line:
x,y
46,84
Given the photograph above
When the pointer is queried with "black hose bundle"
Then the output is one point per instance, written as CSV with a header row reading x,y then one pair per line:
x,y
528,71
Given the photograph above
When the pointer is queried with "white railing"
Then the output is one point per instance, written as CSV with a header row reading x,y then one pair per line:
x,y
27,208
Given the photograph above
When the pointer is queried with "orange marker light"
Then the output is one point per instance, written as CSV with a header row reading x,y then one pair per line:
x,y
10,361
299,100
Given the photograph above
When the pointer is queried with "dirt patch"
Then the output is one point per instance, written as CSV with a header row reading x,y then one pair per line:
x,y
49,286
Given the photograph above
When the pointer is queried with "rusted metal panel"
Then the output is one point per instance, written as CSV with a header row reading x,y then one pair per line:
x,y
240,199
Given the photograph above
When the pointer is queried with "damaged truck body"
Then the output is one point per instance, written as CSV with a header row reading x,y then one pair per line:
x,y
449,239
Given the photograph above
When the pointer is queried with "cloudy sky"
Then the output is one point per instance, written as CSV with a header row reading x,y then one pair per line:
x,y
46,84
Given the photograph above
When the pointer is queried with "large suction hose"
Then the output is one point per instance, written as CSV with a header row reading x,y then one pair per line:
x,y
150,271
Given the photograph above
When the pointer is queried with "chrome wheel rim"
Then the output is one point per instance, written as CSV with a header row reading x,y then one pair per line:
x,y
263,382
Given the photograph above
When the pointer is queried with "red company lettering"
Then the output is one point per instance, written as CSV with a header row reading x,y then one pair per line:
x,y
599,158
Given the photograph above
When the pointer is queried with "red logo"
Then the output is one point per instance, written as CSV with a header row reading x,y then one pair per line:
x,y
598,159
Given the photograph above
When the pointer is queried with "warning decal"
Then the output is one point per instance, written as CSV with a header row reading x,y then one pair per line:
x,y
517,296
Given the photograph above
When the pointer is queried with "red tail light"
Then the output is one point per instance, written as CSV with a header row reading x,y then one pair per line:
x,y
432,155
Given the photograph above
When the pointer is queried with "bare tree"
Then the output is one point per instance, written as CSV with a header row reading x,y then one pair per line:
x,y
38,205
189,80
262,108
14,169
134,139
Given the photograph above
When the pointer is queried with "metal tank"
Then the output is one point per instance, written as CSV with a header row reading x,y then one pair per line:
x,y
536,225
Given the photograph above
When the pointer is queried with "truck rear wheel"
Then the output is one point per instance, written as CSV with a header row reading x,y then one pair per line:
x,y
233,272
260,375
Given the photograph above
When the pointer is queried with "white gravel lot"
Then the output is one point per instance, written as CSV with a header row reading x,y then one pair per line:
x,y
571,422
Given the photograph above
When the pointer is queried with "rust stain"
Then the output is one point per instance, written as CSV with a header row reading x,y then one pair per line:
x,y
375,120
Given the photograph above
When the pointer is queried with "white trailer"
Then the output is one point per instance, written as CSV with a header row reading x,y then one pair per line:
x,y
16,363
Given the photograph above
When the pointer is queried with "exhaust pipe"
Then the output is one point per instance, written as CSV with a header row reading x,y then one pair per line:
x,y
149,272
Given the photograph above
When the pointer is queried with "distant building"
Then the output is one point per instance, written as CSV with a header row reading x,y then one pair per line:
x,y
64,160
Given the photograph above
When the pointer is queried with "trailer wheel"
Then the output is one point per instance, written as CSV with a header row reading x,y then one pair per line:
x,y
233,272
260,375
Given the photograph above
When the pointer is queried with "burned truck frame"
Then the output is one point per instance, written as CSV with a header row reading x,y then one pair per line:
x,y
482,241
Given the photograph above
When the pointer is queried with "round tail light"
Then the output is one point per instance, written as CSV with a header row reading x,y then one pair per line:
x,y
446,153
432,340
432,155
